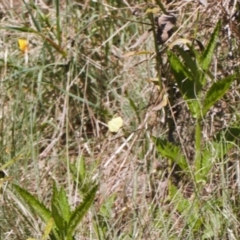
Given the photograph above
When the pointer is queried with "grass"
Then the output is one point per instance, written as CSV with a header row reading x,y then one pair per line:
x,y
166,174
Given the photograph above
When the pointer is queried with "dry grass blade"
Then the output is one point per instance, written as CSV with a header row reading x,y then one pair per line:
x,y
79,75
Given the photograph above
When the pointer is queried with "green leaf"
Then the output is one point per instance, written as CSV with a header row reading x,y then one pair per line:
x,y
193,67
230,134
59,221
182,75
187,208
168,150
134,107
207,160
60,209
80,211
48,229
33,203
80,176
37,207
212,152
222,144
186,83
82,169
216,91
206,58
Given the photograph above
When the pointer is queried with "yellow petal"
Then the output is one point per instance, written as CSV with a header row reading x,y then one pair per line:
x,y
23,44
115,124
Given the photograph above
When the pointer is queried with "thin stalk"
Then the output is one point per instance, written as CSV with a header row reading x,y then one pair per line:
x,y
158,56
198,159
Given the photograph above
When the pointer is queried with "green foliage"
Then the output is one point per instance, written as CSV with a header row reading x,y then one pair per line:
x,y
33,203
215,92
189,209
206,57
190,76
191,72
171,151
60,210
80,211
65,221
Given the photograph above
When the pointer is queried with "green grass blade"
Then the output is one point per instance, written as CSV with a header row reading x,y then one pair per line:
x,y
188,208
35,21
80,211
134,107
57,47
59,30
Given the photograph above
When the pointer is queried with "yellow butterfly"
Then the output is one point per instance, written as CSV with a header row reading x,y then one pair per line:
x,y
115,124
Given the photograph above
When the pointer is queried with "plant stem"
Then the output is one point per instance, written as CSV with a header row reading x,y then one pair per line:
x,y
198,159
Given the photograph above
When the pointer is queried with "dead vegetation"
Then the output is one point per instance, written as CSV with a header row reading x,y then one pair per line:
x,y
55,108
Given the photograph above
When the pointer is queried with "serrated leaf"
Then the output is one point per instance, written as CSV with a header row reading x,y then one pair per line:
x,y
60,208
64,205
206,58
193,67
167,149
33,203
182,75
80,211
186,84
216,91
